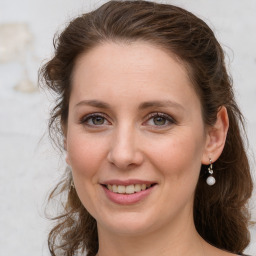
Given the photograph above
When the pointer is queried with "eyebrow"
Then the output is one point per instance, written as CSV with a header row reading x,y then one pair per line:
x,y
143,105
156,103
93,103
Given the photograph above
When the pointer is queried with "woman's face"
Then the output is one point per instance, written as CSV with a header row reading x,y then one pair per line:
x,y
135,137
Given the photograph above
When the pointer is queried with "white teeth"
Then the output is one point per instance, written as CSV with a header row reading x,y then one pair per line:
x,y
114,188
137,188
121,189
130,189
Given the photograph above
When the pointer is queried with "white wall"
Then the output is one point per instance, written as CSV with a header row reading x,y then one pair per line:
x,y
28,165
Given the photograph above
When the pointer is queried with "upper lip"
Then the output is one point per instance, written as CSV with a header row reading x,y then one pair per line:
x,y
127,182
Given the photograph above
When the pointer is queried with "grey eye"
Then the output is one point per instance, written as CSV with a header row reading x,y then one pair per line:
x,y
95,120
158,120
98,120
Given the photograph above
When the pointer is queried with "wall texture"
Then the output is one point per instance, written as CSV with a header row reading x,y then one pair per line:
x,y
29,166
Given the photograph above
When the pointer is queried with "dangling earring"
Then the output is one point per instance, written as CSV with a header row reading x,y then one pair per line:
x,y
210,180
72,185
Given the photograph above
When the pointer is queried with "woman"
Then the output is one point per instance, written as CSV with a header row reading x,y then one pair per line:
x,y
146,112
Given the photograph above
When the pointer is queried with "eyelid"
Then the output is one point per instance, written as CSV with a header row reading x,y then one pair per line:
x,y
170,119
91,115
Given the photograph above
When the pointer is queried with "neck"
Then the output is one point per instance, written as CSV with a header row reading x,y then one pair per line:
x,y
175,240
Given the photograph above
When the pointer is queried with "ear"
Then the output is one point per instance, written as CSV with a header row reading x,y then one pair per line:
x,y
216,137
65,147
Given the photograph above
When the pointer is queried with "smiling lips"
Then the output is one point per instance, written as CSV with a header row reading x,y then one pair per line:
x,y
130,189
127,193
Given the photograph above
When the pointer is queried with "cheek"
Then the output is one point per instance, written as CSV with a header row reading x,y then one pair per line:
x,y
179,166
85,154
179,155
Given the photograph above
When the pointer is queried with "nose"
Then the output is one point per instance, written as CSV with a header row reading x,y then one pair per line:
x,y
124,150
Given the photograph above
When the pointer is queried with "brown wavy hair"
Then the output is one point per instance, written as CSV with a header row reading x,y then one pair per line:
x,y
220,212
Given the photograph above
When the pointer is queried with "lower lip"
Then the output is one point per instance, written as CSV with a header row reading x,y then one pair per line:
x,y
127,199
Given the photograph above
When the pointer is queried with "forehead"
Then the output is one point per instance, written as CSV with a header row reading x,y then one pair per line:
x,y
134,57
121,69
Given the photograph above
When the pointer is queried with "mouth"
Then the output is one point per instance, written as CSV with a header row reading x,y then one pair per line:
x,y
129,189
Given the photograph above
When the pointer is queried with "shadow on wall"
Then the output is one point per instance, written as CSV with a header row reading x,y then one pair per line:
x,y
17,46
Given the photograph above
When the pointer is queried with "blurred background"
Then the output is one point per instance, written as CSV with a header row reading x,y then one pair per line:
x,y
29,166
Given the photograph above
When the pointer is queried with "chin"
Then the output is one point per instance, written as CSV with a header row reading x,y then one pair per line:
x,y
131,223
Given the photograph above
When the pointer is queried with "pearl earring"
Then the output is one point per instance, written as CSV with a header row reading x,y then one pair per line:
x,y
210,180
71,186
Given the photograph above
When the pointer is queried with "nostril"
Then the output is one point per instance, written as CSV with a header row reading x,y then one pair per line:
x,y
125,156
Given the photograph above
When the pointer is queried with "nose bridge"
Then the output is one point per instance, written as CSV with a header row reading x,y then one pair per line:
x,y
124,150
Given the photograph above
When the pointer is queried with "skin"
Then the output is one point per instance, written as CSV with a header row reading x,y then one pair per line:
x,y
126,142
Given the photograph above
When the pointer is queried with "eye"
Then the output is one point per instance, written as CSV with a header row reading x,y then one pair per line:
x,y
160,120
96,119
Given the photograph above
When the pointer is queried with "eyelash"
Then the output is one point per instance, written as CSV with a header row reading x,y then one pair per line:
x,y
86,118
168,119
